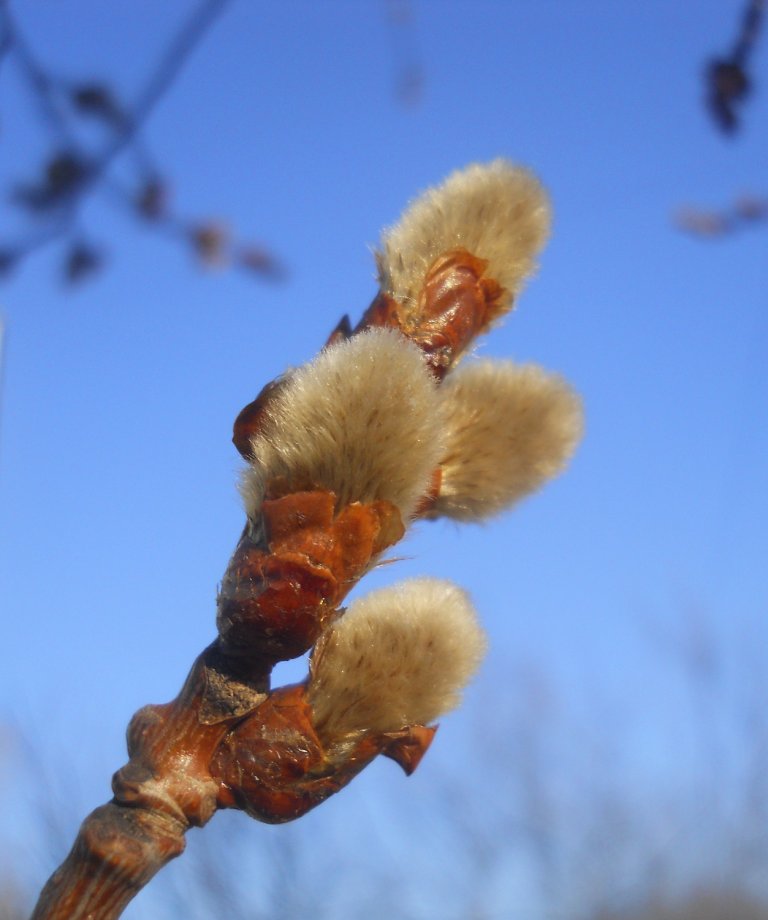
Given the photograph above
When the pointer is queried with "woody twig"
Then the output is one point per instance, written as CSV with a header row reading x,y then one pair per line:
x,y
343,455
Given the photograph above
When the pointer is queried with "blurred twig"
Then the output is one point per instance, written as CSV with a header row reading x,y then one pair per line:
x,y
409,71
744,212
728,84
74,169
728,80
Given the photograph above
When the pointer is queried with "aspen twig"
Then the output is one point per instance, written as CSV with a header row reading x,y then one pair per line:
x,y
343,454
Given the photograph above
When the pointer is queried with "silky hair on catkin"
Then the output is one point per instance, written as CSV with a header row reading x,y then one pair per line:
x,y
398,656
508,428
361,420
496,211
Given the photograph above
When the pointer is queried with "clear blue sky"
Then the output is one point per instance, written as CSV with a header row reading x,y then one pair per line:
x,y
118,508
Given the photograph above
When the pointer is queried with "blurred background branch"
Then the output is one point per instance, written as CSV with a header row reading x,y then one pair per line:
x,y
729,83
729,80
743,213
77,166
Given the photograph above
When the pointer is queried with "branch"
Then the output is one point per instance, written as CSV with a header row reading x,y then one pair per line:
x,y
41,83
728,81
343,455
160,82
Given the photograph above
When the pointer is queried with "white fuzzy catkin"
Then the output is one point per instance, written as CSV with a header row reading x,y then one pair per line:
x,y
509,428
399,656
361,420
496,211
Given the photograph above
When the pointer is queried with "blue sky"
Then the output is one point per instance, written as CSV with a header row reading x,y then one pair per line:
x,y
118,508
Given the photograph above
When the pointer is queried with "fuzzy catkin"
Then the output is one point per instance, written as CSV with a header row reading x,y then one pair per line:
x,y
508,429
496,211
361,420
398,656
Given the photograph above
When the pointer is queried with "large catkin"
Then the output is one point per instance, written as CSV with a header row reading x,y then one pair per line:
x,y
398,656
362,421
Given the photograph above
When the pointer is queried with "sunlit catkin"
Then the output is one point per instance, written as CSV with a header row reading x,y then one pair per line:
x,y
496,211
398,656
362,421
508,429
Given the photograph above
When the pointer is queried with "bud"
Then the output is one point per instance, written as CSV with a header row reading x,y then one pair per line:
x,y
360,421
497,212
399,656
509,428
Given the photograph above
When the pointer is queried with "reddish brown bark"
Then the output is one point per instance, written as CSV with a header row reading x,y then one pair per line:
x,y
165,788
284,583
227,741
274,766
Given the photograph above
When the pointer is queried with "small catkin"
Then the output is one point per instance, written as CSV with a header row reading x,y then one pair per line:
x,y
509,428
496,211
361,420
398,656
